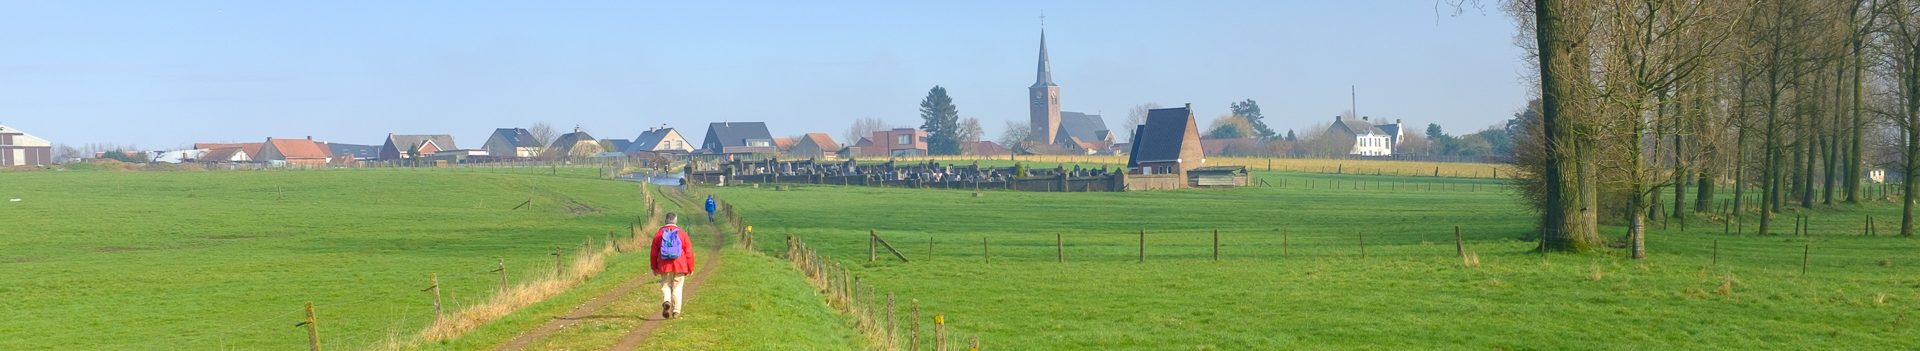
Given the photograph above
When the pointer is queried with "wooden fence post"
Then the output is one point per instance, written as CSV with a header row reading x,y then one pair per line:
x,y
1363,245
873,249
557,266
913,328
1459,247
939,332
1803,258
984,253
313,329
1716,252
1059,248
890,322
1143,245
1283,243
1216,245
434,279
503,275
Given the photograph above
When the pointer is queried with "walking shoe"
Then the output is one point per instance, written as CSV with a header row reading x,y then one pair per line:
x,y
666,310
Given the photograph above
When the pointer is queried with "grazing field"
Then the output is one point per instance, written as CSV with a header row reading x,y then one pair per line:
x,y
1294,165
1293,273
213,260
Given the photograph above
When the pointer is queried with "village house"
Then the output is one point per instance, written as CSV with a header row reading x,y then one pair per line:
x,y
404,146
985,147
660,140
577,144
815,146
232,154
1082,133
512,143
350,153
897,142
293,152
1164,149
1368,139
737,138
228,152
17,148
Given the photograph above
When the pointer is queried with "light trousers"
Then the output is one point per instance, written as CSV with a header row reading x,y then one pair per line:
x,y
672,287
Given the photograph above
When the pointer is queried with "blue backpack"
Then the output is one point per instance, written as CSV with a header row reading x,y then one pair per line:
x,y
670,245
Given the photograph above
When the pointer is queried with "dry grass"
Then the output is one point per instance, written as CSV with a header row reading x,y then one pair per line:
x,y
1471,259
1597,273
1726,285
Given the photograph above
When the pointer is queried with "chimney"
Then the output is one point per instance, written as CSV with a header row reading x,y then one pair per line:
x,y
1365,118
1396,121
1336,118
309,138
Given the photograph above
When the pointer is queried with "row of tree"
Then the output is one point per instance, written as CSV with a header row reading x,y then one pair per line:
x,y
1790,98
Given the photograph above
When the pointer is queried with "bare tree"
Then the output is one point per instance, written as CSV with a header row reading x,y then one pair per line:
x,y
1138,116
1015,136
544,134
970,134
863,128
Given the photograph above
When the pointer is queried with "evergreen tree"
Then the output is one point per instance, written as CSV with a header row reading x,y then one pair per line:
x,y
942,122
1251,111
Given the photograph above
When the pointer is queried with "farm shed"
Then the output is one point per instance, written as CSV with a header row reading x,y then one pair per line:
x,y
1218,177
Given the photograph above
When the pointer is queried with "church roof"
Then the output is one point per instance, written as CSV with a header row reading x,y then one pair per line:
x,y
1086,127
1043,77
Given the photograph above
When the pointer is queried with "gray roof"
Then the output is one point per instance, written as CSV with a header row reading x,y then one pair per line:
x,y
445,142
1084,126
1043,77
566,141
1161,138
358,151
518,137
616,144
1353,126
649,140
735,134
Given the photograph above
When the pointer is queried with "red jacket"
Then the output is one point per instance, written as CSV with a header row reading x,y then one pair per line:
x,y
682,265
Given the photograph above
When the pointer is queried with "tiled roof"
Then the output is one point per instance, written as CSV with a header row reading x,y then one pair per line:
x,y
736,134
298,148
822,140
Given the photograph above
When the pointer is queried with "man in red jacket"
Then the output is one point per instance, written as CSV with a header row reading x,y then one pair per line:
x,y
672,269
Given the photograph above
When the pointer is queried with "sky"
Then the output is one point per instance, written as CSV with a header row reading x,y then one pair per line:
x,y
161,74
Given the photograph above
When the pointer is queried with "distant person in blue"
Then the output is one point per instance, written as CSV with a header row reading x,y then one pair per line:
x,y
711,206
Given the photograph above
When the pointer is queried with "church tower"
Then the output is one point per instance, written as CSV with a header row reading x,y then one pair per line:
x,y
1043,99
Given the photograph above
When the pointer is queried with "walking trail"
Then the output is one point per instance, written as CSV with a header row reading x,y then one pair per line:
x,y
648,323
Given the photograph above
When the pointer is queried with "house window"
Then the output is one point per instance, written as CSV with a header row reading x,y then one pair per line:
x,y
759,143
905,139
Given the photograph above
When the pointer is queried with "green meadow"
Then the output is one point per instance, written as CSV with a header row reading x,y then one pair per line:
x,y
1292,274
227,260
217,260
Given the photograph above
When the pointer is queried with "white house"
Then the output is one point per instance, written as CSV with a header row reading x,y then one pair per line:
x,y
17,148
1368,139
660,140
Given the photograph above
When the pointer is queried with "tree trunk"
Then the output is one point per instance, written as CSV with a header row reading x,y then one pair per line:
x,y
1568,223
1703,195
1637,229
1854,158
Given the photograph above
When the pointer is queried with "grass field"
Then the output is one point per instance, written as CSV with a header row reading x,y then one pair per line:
x,y
205,260
218,260
1291,272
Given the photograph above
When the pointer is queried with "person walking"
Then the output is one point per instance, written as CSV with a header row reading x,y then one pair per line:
x,y
672,261
711,207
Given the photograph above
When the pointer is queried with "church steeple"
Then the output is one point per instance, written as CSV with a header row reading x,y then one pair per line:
x,y
1044,75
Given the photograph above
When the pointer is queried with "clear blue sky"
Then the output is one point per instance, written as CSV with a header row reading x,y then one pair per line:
x,y
166,73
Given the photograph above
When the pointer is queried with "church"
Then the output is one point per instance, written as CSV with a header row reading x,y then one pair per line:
x,y
1061,132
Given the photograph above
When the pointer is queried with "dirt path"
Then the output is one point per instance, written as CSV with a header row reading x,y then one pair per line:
x,y
639,334
648,322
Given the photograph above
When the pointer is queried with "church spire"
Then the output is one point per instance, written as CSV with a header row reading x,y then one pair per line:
x,y
1044,76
